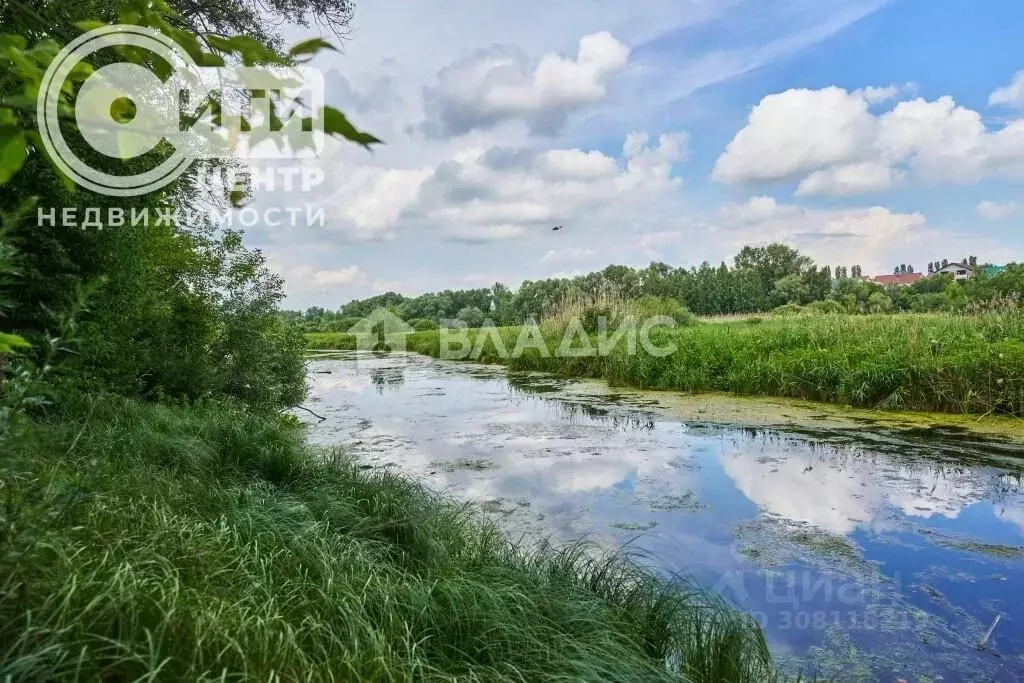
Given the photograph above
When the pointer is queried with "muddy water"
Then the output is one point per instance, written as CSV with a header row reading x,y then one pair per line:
x,y
864,555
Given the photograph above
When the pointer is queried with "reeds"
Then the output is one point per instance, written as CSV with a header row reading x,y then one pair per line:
x,y
932,362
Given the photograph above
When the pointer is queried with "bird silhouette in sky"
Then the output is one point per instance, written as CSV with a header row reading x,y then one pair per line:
x,y
557,228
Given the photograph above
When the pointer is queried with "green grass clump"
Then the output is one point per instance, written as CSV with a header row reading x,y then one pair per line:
x,y
931,362
142,542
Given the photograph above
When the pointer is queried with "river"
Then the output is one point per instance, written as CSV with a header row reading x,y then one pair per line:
x,y
864,553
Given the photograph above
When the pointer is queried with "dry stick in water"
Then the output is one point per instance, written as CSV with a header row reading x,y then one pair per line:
x,y
320,417
991,628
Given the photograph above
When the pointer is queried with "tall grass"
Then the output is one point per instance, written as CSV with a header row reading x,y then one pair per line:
x,y
589,308
933,362
144,542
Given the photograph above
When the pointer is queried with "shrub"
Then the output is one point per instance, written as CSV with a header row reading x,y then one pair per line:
x,y
423,324
826,306
789,309
343,324
651,306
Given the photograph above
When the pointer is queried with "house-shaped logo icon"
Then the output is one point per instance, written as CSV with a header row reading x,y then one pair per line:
x,y
381,331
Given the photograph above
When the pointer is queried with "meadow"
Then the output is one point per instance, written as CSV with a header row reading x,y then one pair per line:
x,y
929,362
159,542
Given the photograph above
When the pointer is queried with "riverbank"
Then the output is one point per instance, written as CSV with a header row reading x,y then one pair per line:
x,y
930,363
145,541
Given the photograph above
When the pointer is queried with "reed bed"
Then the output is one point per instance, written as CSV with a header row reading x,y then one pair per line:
x,y
929,362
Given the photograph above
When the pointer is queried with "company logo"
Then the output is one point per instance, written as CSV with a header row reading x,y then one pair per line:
x,y
125,111
381,331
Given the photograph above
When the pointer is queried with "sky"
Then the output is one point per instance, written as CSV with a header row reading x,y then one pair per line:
x,y
870,132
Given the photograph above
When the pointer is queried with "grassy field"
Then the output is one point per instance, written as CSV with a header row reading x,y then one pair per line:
x,y
145,542
935,362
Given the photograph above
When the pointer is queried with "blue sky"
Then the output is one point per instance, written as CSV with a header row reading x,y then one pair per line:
x,y
861,131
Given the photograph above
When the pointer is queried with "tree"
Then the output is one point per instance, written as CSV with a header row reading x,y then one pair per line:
x,y
772,263
257,19
931,268
178,310
472,316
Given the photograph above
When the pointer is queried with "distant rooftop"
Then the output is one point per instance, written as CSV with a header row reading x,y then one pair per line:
x,y
902,279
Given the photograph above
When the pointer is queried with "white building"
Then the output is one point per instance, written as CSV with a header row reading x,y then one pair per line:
x,y
961,271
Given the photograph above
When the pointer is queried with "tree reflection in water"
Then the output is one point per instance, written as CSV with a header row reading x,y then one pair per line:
x,y
390,378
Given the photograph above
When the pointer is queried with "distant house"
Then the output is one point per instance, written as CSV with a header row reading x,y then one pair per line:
x,y
901,280
960,271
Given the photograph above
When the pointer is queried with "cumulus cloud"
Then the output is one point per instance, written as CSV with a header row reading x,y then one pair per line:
x,y
491,193
798,130
874,237
366,202
850,179
498,84
571,255
1011,95
994,211
835,145
319,280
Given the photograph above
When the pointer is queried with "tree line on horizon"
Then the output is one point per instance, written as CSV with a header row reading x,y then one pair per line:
x,y
760,279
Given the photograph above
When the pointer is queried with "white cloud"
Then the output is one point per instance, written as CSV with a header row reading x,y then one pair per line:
x,y
318,281
756,210
1011,95
571,255
798,130
875,95
994,211
367,201
850,179
574,164
836,146
874,237
486,193
652,243
497,84
338,276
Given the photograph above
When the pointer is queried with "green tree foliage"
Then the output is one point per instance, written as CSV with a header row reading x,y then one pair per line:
x,y
471,315
178,310
704,290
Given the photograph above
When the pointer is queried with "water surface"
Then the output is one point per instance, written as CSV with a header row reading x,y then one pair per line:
x,y
864,554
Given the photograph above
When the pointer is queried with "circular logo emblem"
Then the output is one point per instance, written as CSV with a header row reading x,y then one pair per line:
x,y
123,110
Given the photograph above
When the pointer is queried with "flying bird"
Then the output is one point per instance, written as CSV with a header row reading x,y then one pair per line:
x,y
557,227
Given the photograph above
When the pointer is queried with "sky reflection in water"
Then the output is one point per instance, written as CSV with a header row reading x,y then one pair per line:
x,y
858,559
